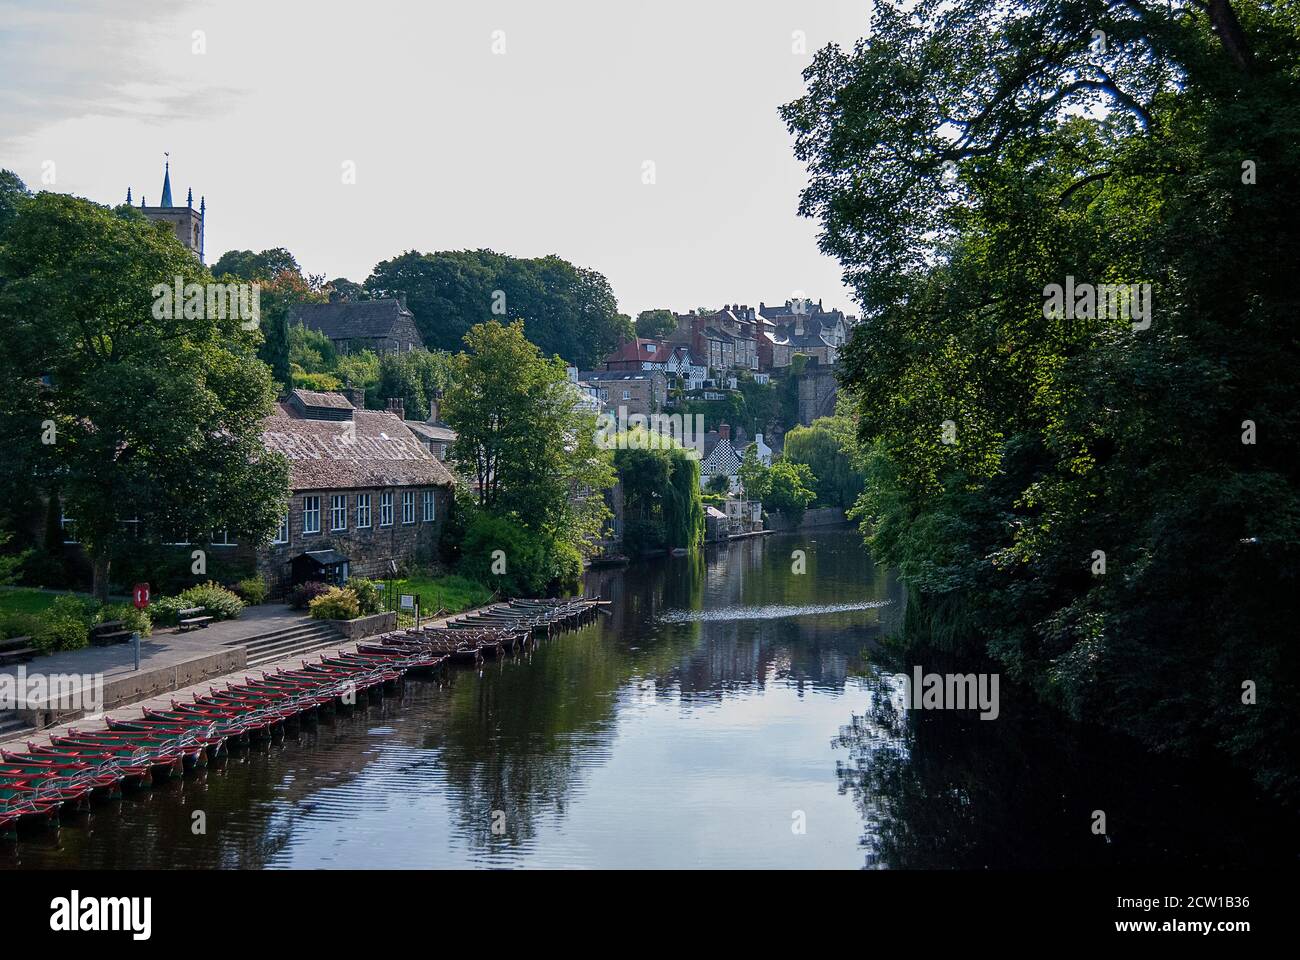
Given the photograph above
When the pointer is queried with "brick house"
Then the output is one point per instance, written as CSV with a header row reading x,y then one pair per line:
x,y
641,391
363,491
384,326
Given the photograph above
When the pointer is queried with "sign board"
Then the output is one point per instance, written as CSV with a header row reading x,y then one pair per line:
x,y
408,601
140,595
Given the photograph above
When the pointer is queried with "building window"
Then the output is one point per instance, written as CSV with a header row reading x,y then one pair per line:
x,y
221,538
408,506
442,451
428,506
363,510
338,511
386,509
69,527
627,394
311,514
282,531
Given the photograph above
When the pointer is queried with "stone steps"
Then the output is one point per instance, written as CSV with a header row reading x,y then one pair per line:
x,y
286,642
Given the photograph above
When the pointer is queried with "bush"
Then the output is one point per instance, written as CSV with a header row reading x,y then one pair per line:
x,y
21,625
63,633
532,562
166,611
368,595
217,602
132,619
337,603
253,590
304,593
69,606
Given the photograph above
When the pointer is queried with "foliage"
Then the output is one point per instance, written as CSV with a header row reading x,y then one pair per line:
x,y
532,454
303,593
336,603
568,310
21,625
1098,507
156,418
755,476
11,563
166,611
451,592
252,590
513,559
791,488
828,447
720,484
368,596
217,602
137,621
655,324
661,493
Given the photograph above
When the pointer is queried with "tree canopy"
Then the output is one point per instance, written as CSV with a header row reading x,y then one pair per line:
x,y
1107,506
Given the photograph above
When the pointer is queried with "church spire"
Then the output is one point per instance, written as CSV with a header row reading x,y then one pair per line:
x,y
167,183
128,196
189,197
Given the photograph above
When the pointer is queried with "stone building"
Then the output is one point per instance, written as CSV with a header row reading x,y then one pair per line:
x,y
364,491
640,391
384,326
186,221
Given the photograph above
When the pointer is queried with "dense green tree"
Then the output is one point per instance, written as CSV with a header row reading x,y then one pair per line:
x,y
791,489
661,493
1106,503
828,447
567,310
529,451
655,323
249,266
149,414
12,192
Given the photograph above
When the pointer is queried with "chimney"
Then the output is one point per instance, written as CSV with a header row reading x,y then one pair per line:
x,y
356,396
724,431
433,409
798,325
396,405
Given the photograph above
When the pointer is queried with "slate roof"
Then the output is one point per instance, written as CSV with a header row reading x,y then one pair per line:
x,y
597,375
350,320
639,350
323,455
438,432
313,398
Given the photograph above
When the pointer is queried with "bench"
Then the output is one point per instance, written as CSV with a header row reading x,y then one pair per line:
x,y
109,632
17,650
192,617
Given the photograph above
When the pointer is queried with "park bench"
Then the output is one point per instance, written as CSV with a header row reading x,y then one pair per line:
x,y
109,632
17,650
192,617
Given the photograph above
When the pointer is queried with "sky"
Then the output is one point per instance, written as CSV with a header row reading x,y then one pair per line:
x,y
525,126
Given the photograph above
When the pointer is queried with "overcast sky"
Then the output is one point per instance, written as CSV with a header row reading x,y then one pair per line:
x,y
540,149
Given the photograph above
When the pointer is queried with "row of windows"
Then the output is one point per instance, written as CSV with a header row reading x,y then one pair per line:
x,y
362,515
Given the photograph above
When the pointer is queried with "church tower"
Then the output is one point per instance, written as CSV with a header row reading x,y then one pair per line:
x,y
186,221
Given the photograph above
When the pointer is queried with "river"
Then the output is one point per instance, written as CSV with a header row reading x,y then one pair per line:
x,y
734,710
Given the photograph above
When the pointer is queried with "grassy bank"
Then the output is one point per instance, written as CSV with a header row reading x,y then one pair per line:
x,y
21,600
452,593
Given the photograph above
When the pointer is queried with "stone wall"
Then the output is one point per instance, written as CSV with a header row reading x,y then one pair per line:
x,y
368,549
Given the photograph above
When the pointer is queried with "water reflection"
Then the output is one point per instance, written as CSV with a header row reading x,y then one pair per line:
x,y
722,702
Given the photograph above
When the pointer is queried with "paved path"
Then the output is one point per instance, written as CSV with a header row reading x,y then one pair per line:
x,y
167,647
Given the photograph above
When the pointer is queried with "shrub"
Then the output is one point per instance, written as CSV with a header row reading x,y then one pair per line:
x,y
132,619
166,611
337,603
21,625
69,606
368,595
63,633
304,593
217,602
253,590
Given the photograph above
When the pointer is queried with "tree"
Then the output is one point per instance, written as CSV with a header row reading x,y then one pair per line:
x,y
341,288
566,310
12,192
529,451
661,493
828,448
755,476
147,417
791,489
1076,493
249,266
655,324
